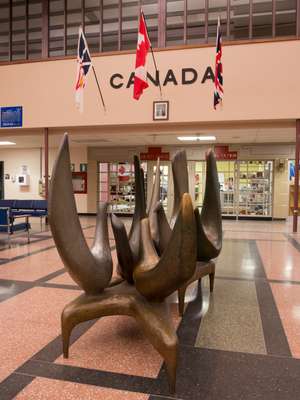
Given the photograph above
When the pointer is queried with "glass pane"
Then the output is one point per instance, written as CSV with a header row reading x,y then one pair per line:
x,y
151,15
227,186
4,30
286,13
92,24
18,30
175,22
74,20
130,16
215,11
262,18
195,21
239,19
56,28
110,25
35,29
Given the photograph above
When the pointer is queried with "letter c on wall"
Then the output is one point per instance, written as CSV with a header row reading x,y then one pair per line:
x,y
112,81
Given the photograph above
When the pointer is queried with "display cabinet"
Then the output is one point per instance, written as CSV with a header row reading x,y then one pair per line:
x,y
255,188
228,186
116,186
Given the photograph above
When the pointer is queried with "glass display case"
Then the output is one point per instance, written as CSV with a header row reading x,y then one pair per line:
x,y
116,186
199,183
255,188
228,186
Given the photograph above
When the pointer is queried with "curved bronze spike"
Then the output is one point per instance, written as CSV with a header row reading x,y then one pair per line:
x,y
180,181
152,215
209,224
90,269
176,265
139,210
124,253
164,230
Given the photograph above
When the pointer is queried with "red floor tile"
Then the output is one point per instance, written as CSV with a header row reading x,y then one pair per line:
x,y
49,389
287,297
29,321
281,260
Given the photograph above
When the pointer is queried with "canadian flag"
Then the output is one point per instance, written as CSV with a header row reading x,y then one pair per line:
x,y
143,46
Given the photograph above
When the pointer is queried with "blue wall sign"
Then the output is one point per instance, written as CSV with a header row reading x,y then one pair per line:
x,y
11,117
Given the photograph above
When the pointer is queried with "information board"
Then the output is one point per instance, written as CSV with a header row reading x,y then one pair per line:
x,y
11,117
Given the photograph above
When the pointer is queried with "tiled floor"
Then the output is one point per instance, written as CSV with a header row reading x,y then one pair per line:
x,y
242,342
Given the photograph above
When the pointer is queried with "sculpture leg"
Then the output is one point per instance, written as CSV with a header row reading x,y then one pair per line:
x,y
66,330
211,281
123,299
181,296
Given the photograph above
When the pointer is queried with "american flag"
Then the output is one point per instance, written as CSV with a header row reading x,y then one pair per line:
x,y
83,65
218,92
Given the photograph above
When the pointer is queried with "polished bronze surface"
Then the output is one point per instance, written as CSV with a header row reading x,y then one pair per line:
x,y
139,210
180,182
164,230
155,197
91,268
157,278
209,222
202,269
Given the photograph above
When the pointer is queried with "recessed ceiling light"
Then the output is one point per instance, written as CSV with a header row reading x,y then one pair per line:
x,y
196,138
6,143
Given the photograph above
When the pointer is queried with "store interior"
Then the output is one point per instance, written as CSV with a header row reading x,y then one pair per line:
x,y
255,168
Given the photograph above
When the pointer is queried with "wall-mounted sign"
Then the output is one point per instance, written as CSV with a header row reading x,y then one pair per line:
x,y
153,154
188,76
11,117
223,153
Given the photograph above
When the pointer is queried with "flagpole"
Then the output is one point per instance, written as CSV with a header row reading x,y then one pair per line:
x,y
154,61
99,88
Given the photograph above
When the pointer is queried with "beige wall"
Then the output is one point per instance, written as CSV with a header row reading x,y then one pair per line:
x,y
261,83
15,158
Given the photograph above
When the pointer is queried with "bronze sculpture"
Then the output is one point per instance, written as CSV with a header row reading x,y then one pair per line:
x,y
148,279
209,222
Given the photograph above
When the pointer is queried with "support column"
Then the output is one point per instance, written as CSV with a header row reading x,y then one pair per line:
x,y
296,182
46,158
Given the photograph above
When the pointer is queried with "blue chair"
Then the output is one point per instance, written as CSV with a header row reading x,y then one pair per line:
x,y
8,225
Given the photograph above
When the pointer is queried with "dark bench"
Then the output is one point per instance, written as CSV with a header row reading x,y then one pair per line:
x,y
9,225
33,208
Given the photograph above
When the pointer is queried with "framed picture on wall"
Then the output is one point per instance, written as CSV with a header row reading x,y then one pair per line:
x,y
160,110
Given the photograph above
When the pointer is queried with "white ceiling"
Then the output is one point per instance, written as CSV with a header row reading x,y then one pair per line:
x,y
161,134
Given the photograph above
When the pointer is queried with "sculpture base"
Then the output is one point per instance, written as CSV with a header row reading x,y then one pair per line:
x,y
154,319
202,269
